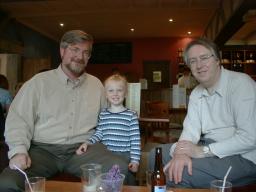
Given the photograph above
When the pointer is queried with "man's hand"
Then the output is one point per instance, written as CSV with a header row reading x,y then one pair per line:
x,y
176,166
21,160
190,149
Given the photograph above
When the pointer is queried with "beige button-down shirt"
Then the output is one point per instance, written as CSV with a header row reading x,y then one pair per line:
x,y
52,109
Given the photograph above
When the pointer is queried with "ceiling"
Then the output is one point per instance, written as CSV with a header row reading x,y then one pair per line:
x,y
113,19
247,33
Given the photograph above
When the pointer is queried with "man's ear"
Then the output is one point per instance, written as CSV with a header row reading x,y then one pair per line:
x,y
218,61
61,52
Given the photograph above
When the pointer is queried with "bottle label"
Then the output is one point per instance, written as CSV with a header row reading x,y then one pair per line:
x,y
160,188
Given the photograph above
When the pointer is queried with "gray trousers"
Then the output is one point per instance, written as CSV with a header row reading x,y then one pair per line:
x,y
48,160
130,177
204,170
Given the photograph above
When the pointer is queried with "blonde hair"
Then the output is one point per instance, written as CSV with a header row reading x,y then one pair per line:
x,y
117,77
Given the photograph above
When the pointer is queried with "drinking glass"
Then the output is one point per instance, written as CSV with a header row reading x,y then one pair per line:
x,y
89,174
37,184
217,186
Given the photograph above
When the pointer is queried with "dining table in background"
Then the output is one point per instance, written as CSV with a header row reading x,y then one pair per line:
x,y
147,128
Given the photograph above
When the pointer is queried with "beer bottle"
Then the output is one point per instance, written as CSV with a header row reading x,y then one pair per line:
x,y
158,181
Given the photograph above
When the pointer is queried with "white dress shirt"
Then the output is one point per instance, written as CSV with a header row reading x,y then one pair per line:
x,y
227,116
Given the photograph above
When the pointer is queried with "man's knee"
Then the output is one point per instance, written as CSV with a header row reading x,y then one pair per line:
x,y
185,182
198,179
11,180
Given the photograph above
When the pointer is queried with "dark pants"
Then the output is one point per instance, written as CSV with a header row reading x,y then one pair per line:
x,y
47,160
130,177
204,170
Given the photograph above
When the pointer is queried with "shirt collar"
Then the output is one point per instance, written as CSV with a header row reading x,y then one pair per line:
x,y
219,87
66,80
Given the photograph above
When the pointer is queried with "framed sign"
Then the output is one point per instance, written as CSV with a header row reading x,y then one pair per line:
x,y
156,72
157,76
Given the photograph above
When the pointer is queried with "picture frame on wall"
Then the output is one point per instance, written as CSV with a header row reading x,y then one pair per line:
x,y
157,76
157,73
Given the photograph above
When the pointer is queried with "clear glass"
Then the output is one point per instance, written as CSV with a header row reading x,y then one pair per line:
x,y
217,186
89,176
148,179
106,185
37,184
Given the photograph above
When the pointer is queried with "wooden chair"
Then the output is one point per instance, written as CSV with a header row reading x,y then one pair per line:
x,y
158,128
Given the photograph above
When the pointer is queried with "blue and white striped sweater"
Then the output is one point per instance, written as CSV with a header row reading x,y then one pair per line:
x,y
119,132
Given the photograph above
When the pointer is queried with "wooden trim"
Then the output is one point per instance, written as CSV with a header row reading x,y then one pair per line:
x,y
11,47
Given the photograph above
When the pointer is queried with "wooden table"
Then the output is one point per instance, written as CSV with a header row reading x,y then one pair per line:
x,y
154,119
60,186
145,124
177,115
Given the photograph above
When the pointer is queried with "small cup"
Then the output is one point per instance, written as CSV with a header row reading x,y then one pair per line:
x,y
89,174
217,186
37,184
148,179
109,185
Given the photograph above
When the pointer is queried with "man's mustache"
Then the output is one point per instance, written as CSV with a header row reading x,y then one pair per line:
x,y
80,61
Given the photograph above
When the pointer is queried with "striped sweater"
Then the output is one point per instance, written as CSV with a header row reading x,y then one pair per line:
x,y
119,132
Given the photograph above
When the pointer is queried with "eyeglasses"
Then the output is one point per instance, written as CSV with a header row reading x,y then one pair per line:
x,y
202,58
75,51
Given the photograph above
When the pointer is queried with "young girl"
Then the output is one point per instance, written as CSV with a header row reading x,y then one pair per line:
x,y
118,126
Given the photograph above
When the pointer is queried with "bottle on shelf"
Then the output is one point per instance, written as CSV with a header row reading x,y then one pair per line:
x,y
158,180
180,57
241,58
249,57
238,62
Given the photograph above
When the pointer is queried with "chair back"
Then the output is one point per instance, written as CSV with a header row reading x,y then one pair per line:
x,y
157,109
158,112
159,129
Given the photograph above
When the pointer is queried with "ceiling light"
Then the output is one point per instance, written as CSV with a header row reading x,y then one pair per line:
x,y
189,32
62,24
132,29
171,20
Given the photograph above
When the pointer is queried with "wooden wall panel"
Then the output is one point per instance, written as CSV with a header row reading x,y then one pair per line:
x,y
33,66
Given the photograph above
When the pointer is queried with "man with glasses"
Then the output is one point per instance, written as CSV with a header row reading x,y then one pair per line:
x,y
52,114
219,129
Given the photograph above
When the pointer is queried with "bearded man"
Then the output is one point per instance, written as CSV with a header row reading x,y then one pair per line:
x,y
52,114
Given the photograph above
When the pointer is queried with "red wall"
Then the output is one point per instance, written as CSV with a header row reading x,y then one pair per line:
x,y
144,49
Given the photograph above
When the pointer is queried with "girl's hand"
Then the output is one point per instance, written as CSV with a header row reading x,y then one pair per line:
x,y
82,149
133,167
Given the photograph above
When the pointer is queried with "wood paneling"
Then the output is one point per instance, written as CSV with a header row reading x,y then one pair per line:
x,y
33,66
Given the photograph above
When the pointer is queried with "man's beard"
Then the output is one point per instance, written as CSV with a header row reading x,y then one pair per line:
x,y
75,68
